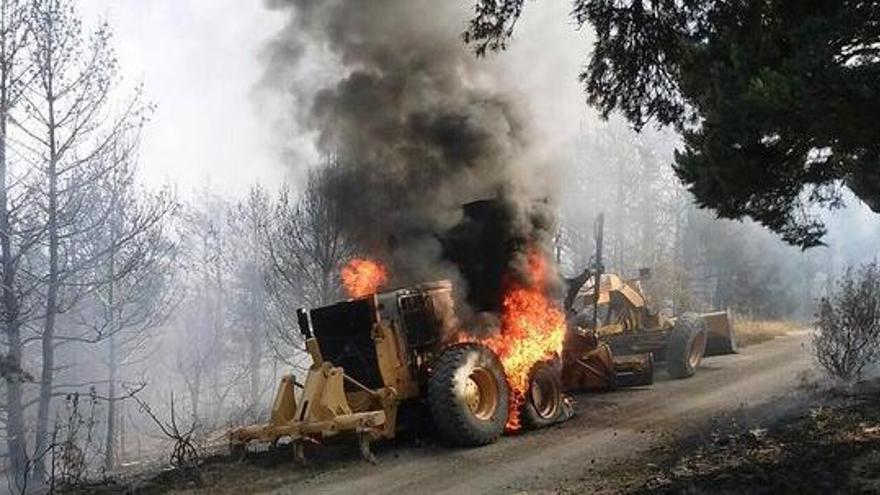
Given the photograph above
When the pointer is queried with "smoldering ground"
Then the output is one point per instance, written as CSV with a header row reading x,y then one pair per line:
x,y
414,124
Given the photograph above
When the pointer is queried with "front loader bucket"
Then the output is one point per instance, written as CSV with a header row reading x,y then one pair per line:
x,y
722,336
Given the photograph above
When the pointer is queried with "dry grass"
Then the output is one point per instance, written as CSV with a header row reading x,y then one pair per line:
x,y
750,332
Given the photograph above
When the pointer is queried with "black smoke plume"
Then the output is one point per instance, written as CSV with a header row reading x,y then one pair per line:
x,y
417,125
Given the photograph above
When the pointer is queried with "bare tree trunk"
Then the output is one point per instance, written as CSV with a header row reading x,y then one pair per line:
x,y
15,439
254,365
16,443
110,445
195,393
620,222
677,255
256,346
255,335
109,448
13,27
649,221
48,338
121,438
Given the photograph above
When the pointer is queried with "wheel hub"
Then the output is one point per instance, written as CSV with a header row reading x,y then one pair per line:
x,y
481,393
544,394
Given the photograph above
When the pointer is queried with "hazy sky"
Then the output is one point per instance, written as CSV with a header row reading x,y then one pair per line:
x,y
199,61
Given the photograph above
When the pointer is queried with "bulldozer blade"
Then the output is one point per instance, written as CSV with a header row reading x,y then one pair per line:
x,y
364,447
722,336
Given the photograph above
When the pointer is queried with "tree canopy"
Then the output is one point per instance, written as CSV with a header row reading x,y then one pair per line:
x,y
776,100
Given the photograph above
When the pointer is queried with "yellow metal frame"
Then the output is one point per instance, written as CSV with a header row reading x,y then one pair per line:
x,y
325,409
631,304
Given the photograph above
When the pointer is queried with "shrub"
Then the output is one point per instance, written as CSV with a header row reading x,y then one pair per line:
x,y
848,324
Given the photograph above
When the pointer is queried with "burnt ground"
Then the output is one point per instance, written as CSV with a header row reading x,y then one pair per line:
x,y
831,444
831,447
674,436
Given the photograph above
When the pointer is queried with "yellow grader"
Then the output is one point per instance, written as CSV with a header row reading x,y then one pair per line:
x,y
617,340
375,356
615,337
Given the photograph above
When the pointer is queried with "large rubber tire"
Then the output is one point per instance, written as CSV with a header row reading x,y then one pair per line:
x,y
686,346
460,418
544,404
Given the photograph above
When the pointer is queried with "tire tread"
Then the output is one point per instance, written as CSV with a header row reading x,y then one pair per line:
x,y
682,335
449,417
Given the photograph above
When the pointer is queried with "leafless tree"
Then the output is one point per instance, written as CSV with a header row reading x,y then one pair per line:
x,y
248,264
201,350
77,138
622,174
18,235
307,248
133,290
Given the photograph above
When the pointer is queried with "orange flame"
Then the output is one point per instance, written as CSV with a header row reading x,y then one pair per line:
x,y
532,330
362,277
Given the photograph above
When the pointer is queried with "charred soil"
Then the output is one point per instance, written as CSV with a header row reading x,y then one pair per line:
x,y
830,446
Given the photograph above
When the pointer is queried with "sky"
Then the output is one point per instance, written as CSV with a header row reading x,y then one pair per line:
x,y
199,62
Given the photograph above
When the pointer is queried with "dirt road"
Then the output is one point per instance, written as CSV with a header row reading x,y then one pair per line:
x,y
608,426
